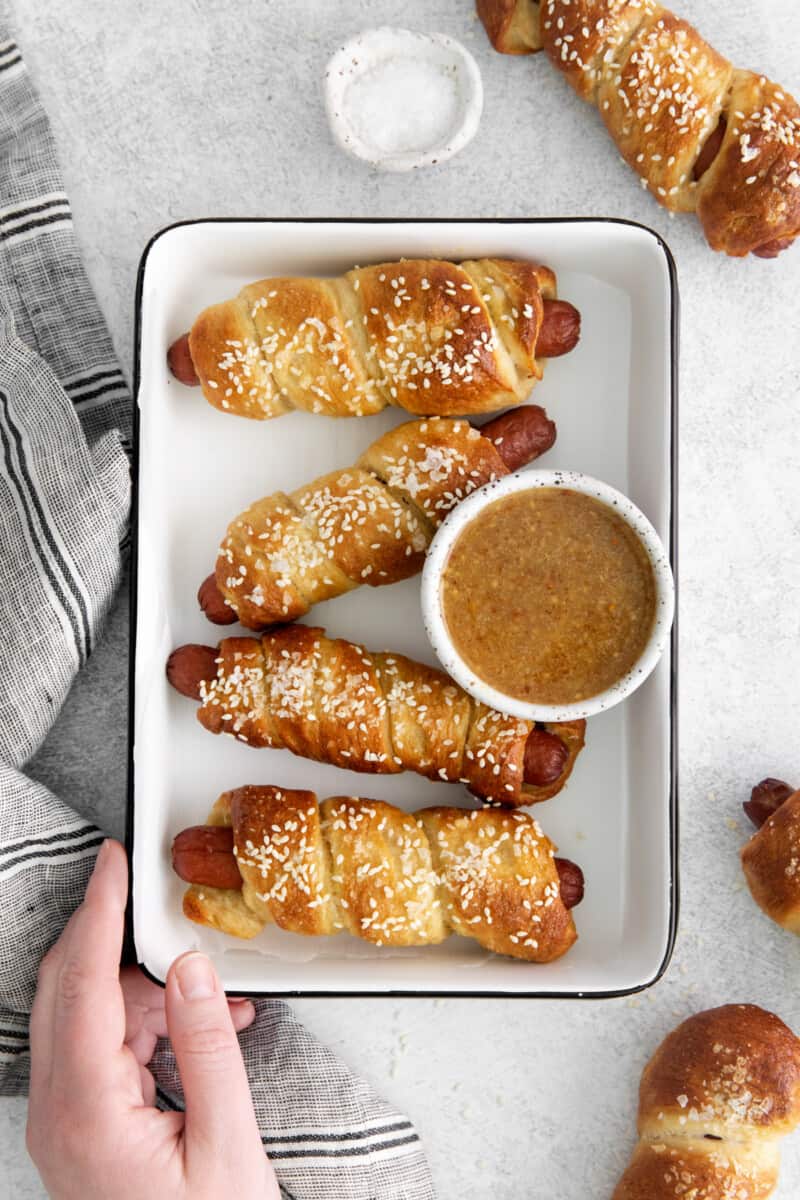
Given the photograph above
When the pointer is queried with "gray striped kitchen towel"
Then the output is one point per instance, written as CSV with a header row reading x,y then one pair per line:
x,y
65,413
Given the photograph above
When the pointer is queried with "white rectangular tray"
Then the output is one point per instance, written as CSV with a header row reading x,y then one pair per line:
x,y
613,400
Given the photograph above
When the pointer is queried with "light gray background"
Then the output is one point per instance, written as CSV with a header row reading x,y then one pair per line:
x,y
188,109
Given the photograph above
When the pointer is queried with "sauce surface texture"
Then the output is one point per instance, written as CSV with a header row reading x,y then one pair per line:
x,y
549,596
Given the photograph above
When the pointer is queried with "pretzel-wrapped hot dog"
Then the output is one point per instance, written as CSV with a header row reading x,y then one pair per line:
x,y
771,859
390,877
432,337
703,136
333,701
368,524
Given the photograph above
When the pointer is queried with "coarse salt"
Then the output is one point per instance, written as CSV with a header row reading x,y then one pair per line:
x,y
402,105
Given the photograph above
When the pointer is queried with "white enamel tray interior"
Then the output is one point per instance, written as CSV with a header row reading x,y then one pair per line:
x,y
198,467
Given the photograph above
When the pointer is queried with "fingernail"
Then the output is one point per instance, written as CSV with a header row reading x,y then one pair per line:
x,y
196,977
244,1006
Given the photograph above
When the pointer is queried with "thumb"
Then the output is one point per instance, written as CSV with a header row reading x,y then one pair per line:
x,y
220,1121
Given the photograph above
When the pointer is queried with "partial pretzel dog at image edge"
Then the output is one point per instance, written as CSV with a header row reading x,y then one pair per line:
x,y
702,136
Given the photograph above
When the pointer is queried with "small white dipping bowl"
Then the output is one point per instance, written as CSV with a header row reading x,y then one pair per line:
x,y
356,69
436,627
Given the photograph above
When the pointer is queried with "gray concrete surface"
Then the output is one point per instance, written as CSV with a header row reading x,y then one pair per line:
x,y
192,109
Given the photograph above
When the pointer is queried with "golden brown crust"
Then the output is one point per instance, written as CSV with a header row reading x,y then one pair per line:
x,y
332,700
702,1171
751,194
727,1072
304,335
584,39
271,566
284,876
714,1099
660,138
228,366
433,464
425,335
368,524
371,536
513,292
390,877
431,343
237,704
512,25
220,909
771,864
661,91
430,719
499,883
382,873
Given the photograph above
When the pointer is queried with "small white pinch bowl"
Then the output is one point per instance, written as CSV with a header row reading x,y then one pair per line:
x,y
436,627
375,47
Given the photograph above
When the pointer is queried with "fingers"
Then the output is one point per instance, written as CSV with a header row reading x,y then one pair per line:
x,y
148,1085
142,1042
144,1004
142,1046
219,1111
41,1023
145,1011
242,1012
153,1021
88,1009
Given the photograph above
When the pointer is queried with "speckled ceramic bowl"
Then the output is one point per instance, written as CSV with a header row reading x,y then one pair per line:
x,y
378,46
437,631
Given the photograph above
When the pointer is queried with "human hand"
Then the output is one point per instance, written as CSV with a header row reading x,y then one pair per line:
x,y
93,1132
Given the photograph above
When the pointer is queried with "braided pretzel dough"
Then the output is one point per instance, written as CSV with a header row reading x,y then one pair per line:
x,y
390,877
661,91
331,700
370,523
424,335
771,864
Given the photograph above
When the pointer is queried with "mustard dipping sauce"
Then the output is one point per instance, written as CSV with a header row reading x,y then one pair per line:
x,y
549,596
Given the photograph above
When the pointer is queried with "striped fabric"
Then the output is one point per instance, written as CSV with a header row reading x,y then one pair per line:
x,y
65,419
